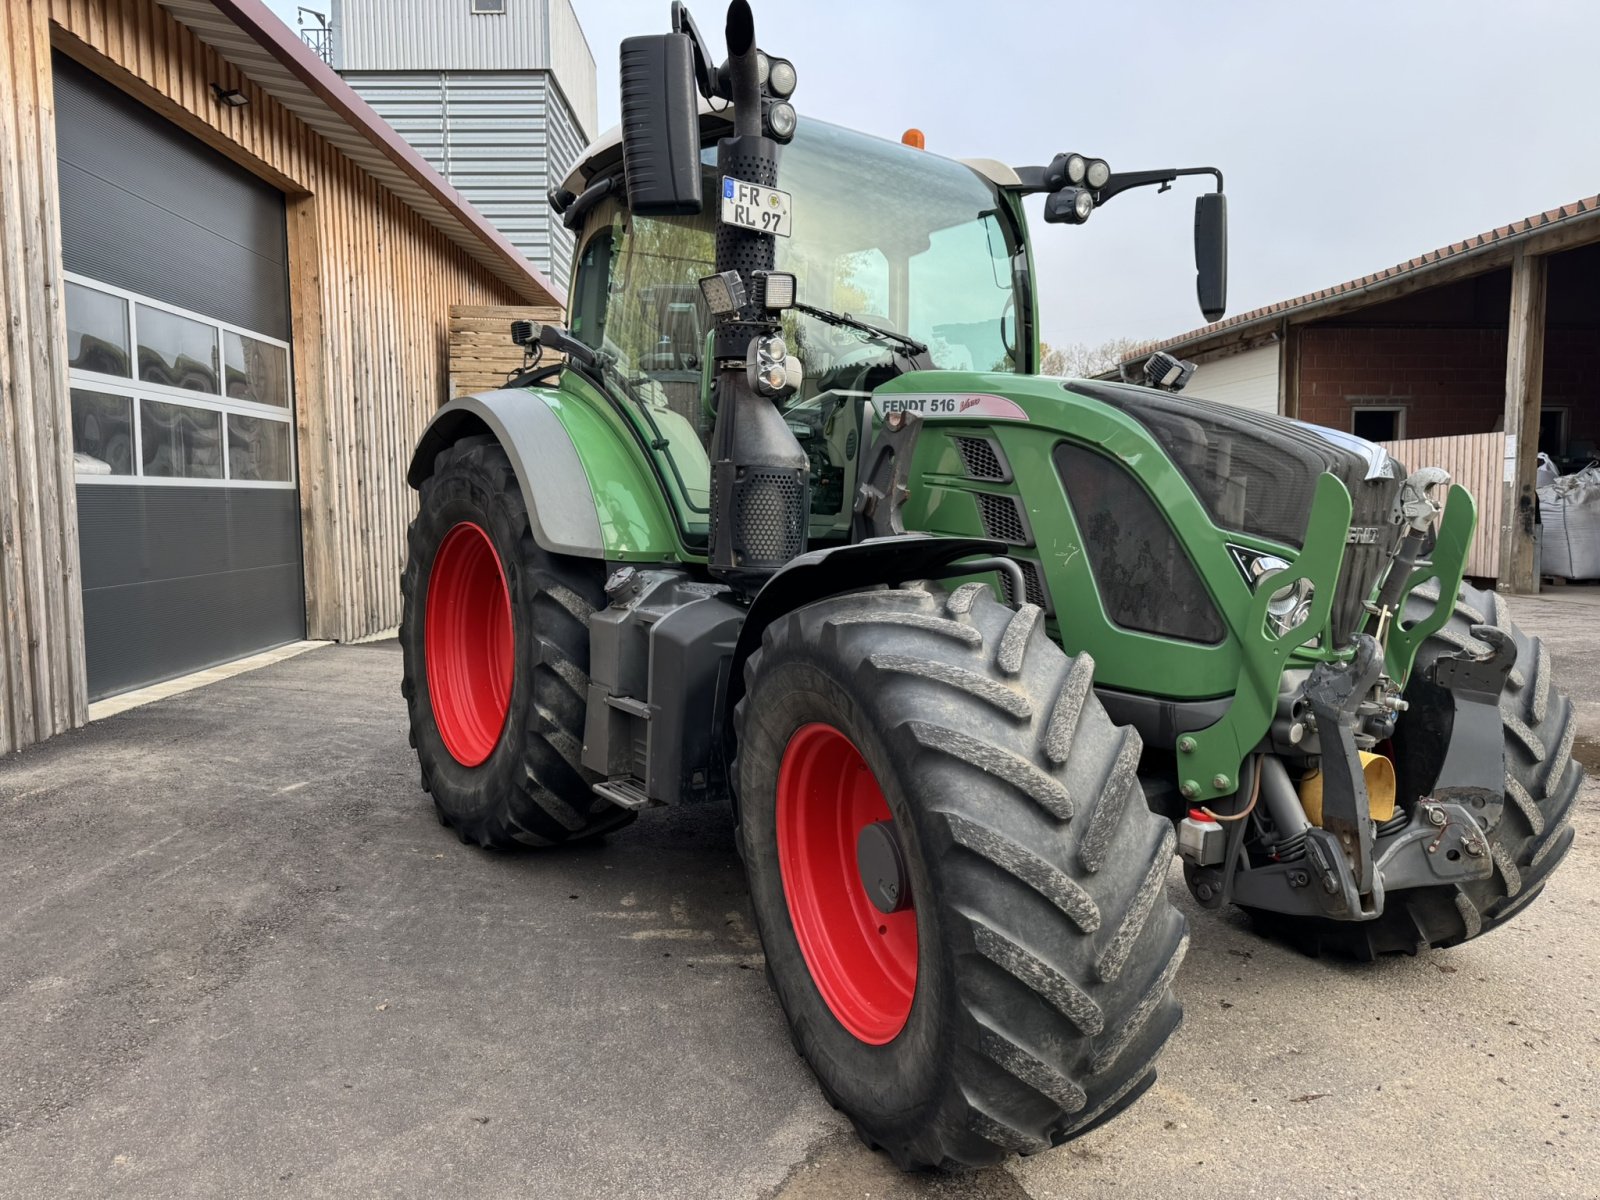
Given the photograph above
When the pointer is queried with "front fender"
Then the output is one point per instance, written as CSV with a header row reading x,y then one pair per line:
x,y
818,574
561,507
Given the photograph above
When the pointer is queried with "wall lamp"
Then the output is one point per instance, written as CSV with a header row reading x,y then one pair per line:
x,y
232,97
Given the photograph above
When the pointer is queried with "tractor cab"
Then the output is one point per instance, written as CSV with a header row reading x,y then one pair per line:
x,y
900,240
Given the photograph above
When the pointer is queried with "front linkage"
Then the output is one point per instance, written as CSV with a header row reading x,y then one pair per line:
x,y
1342,867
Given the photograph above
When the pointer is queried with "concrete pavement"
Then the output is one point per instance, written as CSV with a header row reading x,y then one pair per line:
x,y
239,957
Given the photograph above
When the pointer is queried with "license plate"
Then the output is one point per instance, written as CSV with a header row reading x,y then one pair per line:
x,y
750,206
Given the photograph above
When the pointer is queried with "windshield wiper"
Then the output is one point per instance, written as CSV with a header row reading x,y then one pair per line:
x,y
846,321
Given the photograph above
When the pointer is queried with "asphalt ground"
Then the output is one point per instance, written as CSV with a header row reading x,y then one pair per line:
x,y
239,957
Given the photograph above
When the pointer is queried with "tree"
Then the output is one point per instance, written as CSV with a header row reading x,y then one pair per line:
x,y
1081,360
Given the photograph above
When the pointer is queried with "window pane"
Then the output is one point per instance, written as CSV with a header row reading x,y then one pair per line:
x,y
258,448
181,442
1376,424
102,433
256,370
177,351
97,331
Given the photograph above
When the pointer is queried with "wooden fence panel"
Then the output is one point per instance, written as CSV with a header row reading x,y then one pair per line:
x,y
1477,462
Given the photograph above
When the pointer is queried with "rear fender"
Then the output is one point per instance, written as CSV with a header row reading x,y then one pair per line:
x,y
561,507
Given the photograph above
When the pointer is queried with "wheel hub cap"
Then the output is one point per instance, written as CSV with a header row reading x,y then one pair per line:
x,y
882,866
846,883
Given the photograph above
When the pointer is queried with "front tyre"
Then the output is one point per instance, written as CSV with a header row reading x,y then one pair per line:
x,y
495,635
958,884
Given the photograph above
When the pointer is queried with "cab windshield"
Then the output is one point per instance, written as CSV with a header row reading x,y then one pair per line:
x,y
904,240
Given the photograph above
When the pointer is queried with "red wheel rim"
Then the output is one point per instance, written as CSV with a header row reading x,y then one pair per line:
x,y
863,961
467,642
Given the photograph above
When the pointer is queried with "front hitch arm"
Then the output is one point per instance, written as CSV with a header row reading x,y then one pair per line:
x,y
1335,692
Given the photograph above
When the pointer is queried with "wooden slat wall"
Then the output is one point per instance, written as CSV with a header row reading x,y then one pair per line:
x,y
42,680
1477,462
371,285
481,351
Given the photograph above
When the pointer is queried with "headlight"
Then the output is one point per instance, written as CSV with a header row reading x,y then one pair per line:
x,y
1076,166
772,371
1097,173
1289,604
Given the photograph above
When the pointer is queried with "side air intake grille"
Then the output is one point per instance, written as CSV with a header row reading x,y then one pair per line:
x,y
981,458
769,501
1037,593
1003,519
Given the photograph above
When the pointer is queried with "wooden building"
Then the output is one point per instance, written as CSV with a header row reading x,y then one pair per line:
x,y
226,286
1476,357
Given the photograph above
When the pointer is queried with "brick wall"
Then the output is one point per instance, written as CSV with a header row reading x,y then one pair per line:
x,y
1450,380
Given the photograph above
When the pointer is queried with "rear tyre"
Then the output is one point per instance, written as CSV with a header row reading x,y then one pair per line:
x,y
1534,832
495,634
949,745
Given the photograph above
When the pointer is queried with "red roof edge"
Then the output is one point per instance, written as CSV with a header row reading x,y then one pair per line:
x,y
1577,208
265,28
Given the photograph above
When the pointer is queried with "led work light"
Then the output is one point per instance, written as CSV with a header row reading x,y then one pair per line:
x,y
724,293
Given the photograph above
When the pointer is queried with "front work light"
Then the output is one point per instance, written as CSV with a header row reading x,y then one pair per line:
x,y
781,121
776,290
1076,166
1097,174
1069,206
724,293
781,78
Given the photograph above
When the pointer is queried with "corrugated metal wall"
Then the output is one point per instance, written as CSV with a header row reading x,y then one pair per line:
x,y
573,62
502,138
1248,380
439,35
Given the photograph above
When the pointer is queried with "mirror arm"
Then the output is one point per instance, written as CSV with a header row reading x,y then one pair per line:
x,y
1030,181
1127,180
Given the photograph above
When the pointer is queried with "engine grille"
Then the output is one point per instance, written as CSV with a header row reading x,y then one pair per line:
x,y
1371,507
981,458
1003,519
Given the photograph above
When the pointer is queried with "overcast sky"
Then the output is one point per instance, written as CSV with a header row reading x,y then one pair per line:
x,y
1353,135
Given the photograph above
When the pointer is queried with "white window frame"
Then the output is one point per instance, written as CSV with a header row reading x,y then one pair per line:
x,y
1397,407
138,390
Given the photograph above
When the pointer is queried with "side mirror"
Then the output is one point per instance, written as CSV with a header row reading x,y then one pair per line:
x,y
1211,254
661,125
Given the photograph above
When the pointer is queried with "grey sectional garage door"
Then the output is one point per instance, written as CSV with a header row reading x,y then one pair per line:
x,y
182,407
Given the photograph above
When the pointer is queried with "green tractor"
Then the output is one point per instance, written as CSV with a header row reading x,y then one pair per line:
x,y
790,524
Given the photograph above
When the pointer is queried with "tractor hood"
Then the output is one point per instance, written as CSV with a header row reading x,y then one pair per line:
x,y
1253,473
